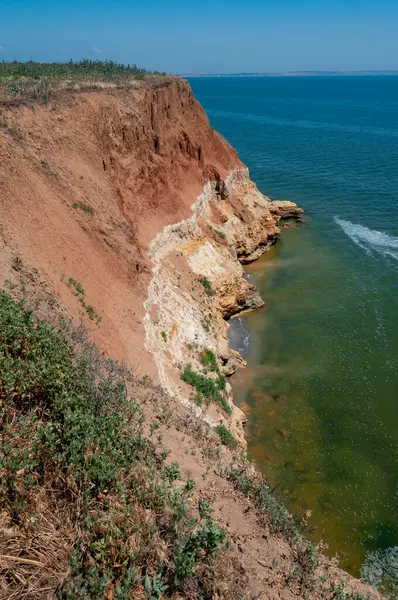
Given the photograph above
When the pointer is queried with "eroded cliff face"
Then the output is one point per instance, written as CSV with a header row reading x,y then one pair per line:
x,y
198,281
86,184
132,194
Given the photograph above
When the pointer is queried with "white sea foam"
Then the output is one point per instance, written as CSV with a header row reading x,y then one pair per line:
x,y
370,240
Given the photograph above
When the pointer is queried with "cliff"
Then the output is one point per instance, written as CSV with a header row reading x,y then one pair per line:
x,y
125,212
90,184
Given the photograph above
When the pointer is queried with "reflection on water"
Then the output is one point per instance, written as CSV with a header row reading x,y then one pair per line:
x,y
320,394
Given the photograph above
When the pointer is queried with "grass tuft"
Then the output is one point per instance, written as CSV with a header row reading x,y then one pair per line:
x,y
84,207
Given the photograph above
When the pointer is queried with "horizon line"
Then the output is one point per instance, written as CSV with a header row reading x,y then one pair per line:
x,y
309,72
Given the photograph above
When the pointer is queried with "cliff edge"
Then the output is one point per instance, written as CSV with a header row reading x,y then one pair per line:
x,y
124,213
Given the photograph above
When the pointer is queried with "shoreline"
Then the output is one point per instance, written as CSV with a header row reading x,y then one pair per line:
x,y
198,284
186,240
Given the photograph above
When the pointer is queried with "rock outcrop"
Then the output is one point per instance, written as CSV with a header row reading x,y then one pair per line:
x,y
198,282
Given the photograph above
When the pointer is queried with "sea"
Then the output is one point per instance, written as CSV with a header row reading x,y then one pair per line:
x,y
321,385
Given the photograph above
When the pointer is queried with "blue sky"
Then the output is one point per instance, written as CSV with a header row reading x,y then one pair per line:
x,y
206,36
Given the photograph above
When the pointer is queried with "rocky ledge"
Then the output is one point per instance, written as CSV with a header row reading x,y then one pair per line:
x,y
198,282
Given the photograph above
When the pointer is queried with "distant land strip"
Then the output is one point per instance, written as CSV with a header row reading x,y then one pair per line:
x,y
295,74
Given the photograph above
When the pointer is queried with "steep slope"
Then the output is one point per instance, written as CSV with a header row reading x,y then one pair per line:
x,y
88,182
137,158
130,215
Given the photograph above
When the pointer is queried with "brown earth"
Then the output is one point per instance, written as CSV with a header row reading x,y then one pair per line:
x,y
138,158
88,185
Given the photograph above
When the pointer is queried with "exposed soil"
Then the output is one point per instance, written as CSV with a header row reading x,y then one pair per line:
x,y
86,185
137,158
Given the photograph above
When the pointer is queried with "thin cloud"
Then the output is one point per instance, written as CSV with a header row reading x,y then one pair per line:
x,y
97,50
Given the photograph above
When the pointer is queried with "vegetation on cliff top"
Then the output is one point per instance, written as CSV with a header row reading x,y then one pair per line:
x,y
30,81
107,70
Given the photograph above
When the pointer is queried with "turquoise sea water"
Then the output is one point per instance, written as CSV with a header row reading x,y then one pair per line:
x,y
321,387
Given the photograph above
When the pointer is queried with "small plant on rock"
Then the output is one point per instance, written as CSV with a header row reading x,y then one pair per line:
x,y
226,436
207,286
84,207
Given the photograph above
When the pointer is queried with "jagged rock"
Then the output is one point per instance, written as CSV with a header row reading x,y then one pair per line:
x,y
248,298
246,259
232,363
285,209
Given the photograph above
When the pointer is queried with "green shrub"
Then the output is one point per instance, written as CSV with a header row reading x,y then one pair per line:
x,y
207,286
225,406
204,543
206,324
84,207
226,436
280,520
221,234
207,387
68,428
340,594
49,170
78,291
208,359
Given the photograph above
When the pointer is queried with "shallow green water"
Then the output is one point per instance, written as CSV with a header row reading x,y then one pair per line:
x,y
319,393
321,387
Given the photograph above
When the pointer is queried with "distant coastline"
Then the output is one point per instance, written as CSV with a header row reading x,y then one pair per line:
x,y
297,74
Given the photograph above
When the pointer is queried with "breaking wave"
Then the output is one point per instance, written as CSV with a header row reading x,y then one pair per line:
x,y
370,240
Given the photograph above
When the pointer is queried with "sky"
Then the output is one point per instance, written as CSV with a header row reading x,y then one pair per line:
x,y
210,36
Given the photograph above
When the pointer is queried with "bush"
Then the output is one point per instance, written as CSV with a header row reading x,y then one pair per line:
x,y
207,286
84,207
221,234
208,359
226,436
78,291
340,594
280,520
70,432
207,387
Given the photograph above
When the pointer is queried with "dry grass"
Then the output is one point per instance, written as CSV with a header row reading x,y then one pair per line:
x,y
34,558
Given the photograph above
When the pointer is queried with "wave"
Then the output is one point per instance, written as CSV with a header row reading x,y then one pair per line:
x,y
370,240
